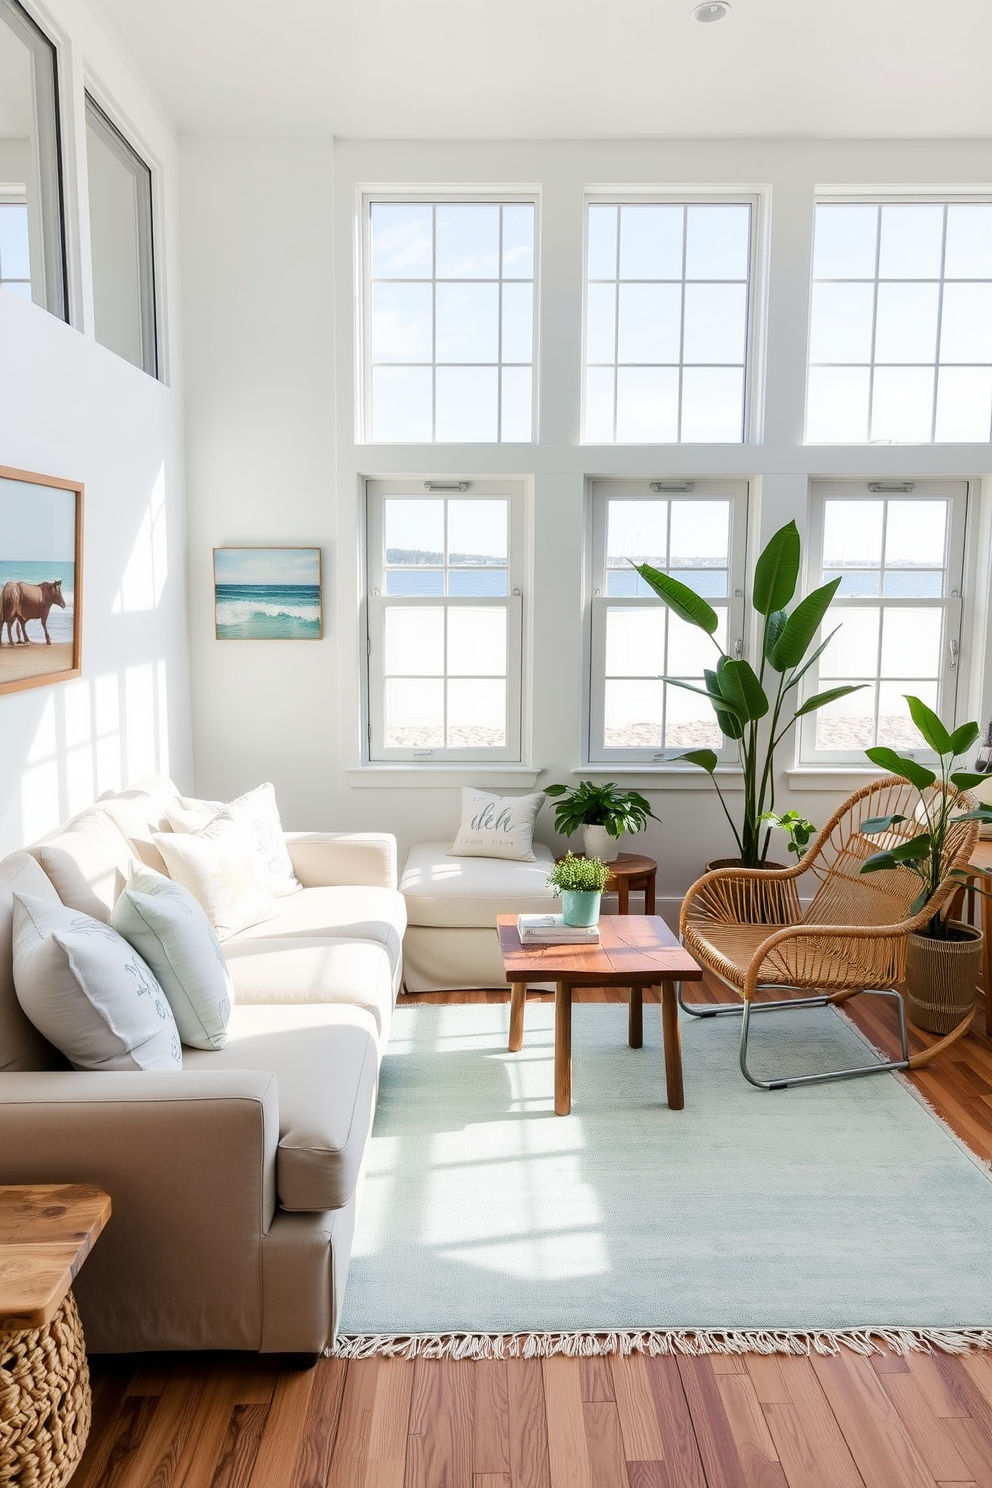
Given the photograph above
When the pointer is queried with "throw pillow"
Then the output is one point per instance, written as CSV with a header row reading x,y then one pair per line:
x,y
496,826
89,992
191,815
258,809
221,869
167,926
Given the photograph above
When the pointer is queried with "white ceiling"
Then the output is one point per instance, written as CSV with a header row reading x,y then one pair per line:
x,y
563,69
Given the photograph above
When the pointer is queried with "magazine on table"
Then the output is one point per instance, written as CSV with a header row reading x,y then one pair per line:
x,y
550,929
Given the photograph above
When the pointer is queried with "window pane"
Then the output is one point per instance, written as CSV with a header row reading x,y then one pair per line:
x,y
700,533
599,405
840,323
650,242
402,240
852,533
602,246
717,242
968,252
476,582
690,722
844,242
467,241
414,713
966,323
911,643
964,405
120,201
635,642
895,727
518,322
637,529
853,652
601,304
477,642
913,583
15,257
401,404
466,404
910,243
633,714
518,241
715,323
712,405
401,323
414,531
861,584
516,418
902,404
408,581
477,532
414,642
476,715
467,323
906,323
916,533
691,650
650,318
837,408
647,405
848,723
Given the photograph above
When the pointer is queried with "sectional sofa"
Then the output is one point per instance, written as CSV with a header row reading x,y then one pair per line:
x,y
235,1182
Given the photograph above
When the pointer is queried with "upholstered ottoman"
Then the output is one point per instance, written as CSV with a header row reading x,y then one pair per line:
x,y
452,904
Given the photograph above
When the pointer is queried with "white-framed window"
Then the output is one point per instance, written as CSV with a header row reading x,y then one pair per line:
x,y
666,323
695,531
449,322
444,619
121,242
900,340
32,237
898,549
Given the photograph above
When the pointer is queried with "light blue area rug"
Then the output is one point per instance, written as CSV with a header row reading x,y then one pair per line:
x,y
790,1220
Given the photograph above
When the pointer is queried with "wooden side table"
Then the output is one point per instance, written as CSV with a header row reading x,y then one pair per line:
x,y
46,1232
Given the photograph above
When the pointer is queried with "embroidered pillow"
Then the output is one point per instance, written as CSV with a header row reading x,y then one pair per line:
x,y
496,826
258,809
167,926
221,869
89,992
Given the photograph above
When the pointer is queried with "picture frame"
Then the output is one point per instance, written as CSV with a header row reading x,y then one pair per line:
x,y
41,574
267,594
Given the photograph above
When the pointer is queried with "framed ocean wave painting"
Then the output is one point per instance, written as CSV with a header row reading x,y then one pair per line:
x,y
41,552
267,594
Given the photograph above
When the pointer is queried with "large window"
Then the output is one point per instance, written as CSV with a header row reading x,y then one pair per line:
x,y
120,196
696,532
666,322
32,257
900,345
899,554
444,620
449,321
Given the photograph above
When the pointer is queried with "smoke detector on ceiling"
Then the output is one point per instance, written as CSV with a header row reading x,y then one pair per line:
x,y
711,10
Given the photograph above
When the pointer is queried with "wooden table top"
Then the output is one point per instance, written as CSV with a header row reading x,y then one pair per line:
x,y
633,951
627,865
46,1232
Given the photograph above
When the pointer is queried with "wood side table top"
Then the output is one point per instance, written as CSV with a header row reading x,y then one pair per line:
x,y
633,951
46,1232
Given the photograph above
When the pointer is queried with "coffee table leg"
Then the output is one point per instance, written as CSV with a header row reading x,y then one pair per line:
x,y
635,1017
563,1049
673,1046
518,997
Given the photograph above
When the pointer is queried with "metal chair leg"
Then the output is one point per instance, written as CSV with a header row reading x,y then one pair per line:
x,y
735,1009
842,1074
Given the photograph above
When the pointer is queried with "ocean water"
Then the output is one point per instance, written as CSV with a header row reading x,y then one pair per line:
x,y
268,612
60,622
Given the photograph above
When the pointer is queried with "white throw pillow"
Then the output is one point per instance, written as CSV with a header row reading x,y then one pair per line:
x,y
496,826
257,808
223,872
89,992
167,926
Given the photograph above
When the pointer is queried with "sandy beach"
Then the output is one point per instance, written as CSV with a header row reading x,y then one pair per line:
x,y
17,663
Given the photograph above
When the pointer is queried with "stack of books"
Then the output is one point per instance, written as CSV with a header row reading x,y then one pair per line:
x,y
550,929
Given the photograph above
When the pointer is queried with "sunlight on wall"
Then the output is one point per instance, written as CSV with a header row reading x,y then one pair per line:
x,y
40,796
148,566
139,721
78,725
109,764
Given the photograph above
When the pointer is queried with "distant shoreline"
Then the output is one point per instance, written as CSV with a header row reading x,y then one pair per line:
x,y
33,660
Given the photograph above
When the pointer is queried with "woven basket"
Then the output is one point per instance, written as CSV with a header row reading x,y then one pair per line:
x,y
941,976
44,1401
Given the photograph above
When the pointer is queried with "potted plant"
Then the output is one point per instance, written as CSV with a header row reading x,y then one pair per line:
x,y
943,958
737,692
580,882
604,812
795,826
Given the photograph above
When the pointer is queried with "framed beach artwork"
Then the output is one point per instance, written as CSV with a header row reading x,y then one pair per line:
x,y
41,551
267,594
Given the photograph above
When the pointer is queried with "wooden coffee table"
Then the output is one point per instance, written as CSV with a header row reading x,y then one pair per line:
x,y
634,951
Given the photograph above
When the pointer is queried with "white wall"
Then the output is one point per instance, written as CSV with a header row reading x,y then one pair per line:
x,y
70,408
272,371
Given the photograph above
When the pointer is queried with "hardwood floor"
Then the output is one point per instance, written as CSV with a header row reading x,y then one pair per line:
x,y
717,1421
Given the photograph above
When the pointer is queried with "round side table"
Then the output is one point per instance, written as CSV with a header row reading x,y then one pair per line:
x,y
632,871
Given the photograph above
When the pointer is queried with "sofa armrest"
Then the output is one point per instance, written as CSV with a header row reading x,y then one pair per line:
x,y
336,858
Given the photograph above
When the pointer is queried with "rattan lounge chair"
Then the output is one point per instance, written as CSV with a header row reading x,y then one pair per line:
x,y
748,927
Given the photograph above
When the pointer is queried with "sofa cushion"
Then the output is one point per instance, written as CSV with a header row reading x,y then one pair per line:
x,y
222,871
298,970
471,892
257,810
357,913
22,1047
86,859
325,1062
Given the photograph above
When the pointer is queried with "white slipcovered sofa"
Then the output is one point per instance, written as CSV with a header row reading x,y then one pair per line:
x,y
235,1181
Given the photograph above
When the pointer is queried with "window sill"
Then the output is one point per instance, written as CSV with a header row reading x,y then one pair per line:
x,y
845,778
441,776
665,776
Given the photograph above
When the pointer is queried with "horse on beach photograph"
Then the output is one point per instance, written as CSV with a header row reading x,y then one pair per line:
x,y
41,519
22,602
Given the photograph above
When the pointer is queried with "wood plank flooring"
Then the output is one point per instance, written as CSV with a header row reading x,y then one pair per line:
x,y
748,1421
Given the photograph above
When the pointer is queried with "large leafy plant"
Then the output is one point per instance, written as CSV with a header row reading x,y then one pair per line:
x,y
756,707
592,805
928,854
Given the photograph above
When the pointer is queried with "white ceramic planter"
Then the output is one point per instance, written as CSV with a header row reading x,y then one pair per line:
x,y
597,843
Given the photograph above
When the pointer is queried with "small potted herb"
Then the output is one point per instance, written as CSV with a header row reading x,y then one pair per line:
x,y
604,812
580,883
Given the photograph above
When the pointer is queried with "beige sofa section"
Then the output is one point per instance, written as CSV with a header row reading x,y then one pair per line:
x,y
235,1182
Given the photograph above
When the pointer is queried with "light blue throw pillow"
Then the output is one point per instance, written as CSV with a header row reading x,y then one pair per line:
x,y
167,926
89,992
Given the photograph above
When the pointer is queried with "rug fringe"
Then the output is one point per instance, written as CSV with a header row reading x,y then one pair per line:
x,y
654,1341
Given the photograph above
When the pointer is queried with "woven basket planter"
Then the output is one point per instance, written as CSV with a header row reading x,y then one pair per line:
x,y
44,1401
941,976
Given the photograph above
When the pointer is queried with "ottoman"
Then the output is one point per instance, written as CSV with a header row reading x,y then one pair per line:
x,y
452,903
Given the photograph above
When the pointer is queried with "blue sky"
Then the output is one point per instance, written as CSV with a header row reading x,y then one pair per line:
x,y
266,566
37,523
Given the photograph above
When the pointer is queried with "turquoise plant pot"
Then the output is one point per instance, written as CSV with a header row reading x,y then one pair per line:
x,y
580,907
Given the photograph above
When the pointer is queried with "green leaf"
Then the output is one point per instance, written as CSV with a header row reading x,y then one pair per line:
x,y
802,625
555,790
679,598
739,685
716,698
914,850
830,696
776,623
965,780
730,725
963,737
878,861
777,571
872,824
704,758
981,813
887,759
929,726
812,659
